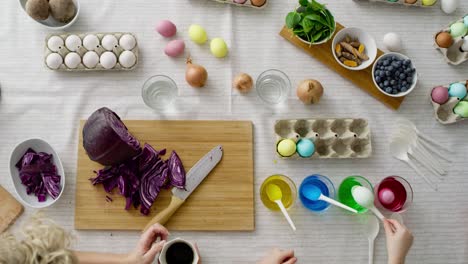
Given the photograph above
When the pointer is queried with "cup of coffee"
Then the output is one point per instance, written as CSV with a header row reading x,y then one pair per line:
x,y
178,251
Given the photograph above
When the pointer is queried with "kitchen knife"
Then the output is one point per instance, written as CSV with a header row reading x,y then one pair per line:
x,y
194,177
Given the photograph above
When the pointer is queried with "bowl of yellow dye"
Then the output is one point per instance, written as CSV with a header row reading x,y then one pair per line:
x,y
288,189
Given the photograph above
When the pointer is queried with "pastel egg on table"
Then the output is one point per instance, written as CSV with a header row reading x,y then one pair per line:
x,y
457,90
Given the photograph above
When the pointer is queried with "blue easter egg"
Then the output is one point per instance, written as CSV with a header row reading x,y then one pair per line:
x,y
465,21
305,147
457,90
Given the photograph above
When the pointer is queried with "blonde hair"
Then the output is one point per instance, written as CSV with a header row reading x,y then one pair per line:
x,y
43,242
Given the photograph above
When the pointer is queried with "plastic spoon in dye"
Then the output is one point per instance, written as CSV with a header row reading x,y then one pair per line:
x,y
275,195
371,230
314,193
365,198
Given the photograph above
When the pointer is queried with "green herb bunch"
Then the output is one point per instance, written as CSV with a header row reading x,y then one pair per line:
x,y
311,21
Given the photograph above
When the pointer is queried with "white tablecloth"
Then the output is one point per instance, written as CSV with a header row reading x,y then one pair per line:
x,y
37,102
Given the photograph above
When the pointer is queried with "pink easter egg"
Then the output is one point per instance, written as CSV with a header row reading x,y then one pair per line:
x,y
166,28
386,196
174,48
240,1
440,95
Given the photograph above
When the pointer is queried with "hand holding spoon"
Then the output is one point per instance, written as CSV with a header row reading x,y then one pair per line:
x,y
365,198
275,195
314,193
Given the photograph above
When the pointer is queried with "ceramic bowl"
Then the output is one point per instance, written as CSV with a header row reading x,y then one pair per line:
x,y
363,37
38,145
399,55
50,22
162,255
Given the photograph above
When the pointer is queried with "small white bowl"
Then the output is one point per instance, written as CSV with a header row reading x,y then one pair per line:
x,y
50,22
162,255
415,78
363,37
37,145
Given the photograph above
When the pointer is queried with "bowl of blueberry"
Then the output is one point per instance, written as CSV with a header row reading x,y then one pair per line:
x,y
394,74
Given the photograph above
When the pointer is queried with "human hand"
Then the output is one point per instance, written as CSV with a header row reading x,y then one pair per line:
x,y
147,248
399,241
278,256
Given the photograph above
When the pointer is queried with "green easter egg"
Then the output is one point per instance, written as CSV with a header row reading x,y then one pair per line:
x,y
458,30
461,109
197,34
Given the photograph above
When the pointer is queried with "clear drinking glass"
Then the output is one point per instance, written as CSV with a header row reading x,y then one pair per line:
x,y
273,87
159,92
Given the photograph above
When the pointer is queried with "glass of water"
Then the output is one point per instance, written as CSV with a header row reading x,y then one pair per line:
x,y
159,92
273,87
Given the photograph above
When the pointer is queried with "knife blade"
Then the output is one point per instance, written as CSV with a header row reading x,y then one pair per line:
x,y
194,177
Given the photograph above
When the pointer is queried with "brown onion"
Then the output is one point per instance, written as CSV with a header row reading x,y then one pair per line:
x,y
195,75
243,82
309,91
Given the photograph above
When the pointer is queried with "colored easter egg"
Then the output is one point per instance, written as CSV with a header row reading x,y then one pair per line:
x,y
305,148
174,48
457,90
429,2
440,95
218,48
286,147
465,20
166,28
461,109
197,34
458,29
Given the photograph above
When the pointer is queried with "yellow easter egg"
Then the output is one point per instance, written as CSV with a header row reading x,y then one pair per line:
x,y
286,147
197,34
218,48
429,2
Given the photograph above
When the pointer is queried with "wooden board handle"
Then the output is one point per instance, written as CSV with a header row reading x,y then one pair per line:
x,y
163,216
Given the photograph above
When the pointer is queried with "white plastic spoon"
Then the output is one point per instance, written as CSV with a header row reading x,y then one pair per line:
x,y
365,198
371,230
412,126
314,193
275,194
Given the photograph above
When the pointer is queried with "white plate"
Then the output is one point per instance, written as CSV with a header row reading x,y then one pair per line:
x,y
37,145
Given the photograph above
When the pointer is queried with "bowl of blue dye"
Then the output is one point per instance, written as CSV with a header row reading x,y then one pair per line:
x,y
326,187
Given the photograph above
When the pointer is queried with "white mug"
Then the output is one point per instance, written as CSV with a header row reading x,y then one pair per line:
x,y
162,255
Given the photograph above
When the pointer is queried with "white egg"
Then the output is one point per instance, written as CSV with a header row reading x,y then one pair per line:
x,y
464,46
90,59
127,42
73,42
127,59
54,60
108,60
109,42
392,42
91,42
449,6
55,43
72,60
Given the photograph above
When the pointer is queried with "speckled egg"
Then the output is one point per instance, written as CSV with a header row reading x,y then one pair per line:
x,y
444,40
109,42
286,147
73,42
108,60
127,42
440,95
305,147
54,60
458,29
461,109
91,59
55,43
457,90
72,60
91,42
127,59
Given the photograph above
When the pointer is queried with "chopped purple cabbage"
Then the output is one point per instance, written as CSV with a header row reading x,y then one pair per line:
x,y
176,171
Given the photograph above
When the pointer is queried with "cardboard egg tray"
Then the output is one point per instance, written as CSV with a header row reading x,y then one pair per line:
x,y
418,3
333,137
453,55
247,3
99,50
444,113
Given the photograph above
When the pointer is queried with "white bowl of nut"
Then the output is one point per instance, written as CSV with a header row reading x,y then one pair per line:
x,y
52,14
354,49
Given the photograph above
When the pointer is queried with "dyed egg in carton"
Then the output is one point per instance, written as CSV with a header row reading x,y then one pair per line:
x,y
333,137
419,3
450,102
452,41
248,3
91,52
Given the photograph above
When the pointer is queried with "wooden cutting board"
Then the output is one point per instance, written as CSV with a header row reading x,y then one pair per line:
x,y
223,201
363,78
10,209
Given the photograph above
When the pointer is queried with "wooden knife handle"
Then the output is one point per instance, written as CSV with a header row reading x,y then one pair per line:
x,y
163,216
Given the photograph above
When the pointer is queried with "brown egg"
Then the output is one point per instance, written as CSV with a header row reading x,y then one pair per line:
x,y
444,40
258,2
411,1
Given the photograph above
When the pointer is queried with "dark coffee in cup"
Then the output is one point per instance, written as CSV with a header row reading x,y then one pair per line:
x,y
179,253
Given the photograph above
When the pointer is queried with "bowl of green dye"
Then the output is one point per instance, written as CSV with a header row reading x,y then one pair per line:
x,y
344,191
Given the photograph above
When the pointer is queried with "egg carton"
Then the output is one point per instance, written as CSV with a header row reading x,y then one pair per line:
x,y
453,55
418,3
444,113
248,3
99,49
333,137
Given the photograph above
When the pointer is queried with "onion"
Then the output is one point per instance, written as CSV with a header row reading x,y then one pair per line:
x,y
243,82
195,75
309,91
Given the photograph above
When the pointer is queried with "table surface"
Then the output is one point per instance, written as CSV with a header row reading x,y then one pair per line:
x,y
37,102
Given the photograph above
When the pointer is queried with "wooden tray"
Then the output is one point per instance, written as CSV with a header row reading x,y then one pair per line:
x,y
10,209
223,201
363,79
